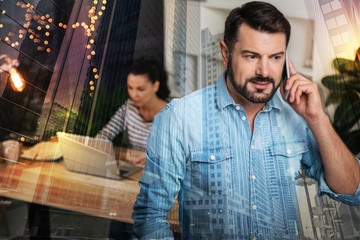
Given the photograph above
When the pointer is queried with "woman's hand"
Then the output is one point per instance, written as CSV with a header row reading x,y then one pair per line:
x,y
138,159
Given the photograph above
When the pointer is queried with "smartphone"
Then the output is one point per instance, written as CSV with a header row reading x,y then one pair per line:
x,y
286,75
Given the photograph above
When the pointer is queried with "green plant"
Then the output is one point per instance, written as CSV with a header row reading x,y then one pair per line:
x,y
345,94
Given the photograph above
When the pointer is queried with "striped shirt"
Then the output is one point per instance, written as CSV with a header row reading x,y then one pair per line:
x,y
128,117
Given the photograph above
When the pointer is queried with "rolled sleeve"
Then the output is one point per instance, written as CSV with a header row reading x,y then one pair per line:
x,y
161,178
345,198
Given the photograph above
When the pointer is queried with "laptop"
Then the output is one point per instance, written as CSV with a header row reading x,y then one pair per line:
x,y
93,156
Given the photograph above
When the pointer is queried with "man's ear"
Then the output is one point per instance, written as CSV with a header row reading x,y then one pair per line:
x,y
224,53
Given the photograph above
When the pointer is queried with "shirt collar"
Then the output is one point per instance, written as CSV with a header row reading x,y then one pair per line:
x,y
222,95
224,99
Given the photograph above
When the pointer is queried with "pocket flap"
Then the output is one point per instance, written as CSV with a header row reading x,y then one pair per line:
x,y
289,149
211,155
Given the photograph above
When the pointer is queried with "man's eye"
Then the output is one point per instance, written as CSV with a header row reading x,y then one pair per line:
x,y
276,57
250,56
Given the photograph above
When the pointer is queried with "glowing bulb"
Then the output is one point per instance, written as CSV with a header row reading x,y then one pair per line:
x,y
47,34
92,88
96,76
91,41
17,82
60,24
88,57
48,49
92,53
91,82
103,8
95,70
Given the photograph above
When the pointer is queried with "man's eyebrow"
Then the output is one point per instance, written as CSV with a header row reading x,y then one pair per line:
x,y
256,53
248,51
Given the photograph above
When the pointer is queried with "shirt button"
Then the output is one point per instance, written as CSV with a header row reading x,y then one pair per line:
x,y
253,177
288,151
243,118
254,207
212,157
238,107
252,146
254,238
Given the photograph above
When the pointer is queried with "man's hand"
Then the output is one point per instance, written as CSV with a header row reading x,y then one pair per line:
x,y
304,96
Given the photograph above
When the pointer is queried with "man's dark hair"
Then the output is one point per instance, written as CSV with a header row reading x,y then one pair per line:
x,y
155,72
260,16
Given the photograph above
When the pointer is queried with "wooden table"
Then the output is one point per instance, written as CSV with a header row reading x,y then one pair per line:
x,y
51,184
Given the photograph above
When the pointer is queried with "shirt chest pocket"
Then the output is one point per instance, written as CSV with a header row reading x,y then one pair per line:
x,y
210,155
289,149
205,165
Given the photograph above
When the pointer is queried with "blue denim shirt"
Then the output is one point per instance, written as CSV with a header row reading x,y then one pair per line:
x,y
230,183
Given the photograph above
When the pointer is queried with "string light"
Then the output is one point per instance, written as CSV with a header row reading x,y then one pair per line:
x,y
17,82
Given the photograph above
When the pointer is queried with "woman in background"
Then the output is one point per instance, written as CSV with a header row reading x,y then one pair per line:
x,y
148,92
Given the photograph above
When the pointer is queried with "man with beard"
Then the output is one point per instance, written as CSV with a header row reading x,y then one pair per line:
x,y
231,153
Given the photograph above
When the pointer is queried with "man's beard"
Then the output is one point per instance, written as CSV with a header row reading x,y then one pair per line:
x,y
245,92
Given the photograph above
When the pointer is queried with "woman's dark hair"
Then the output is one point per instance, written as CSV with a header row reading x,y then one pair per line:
x,y
260,16
155,72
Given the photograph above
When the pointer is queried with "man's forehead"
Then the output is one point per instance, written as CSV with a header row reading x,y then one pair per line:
x,y
255,40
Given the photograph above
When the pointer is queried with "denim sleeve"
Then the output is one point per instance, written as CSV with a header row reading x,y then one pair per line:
x,y
161,178
313,168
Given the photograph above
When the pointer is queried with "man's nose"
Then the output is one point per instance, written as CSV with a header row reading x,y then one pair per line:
x,y
262,68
